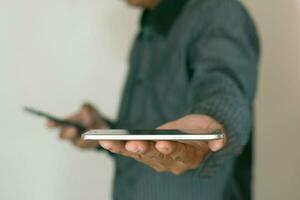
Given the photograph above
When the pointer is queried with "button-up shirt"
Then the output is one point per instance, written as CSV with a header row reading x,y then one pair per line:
x,y
192,57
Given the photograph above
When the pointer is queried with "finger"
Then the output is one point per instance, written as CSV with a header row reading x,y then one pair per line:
x,y
113,146
154,158
169,125
69,133
216,145
117,147
91,117
145,152
51,124
165,147
74,118
84,144
196,144
87,113
180,163
137,146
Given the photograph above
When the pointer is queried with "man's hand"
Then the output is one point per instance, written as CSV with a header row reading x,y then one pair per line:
x,y
90,118
170,156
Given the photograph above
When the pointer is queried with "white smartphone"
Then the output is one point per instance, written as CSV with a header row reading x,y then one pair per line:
x,y
122,134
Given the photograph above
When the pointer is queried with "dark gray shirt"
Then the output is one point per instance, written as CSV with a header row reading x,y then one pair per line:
x,y
192,56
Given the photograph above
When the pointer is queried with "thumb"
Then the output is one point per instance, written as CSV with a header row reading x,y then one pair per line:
x,y
216,145
88,114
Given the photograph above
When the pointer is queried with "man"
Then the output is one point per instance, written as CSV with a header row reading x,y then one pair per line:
x,y
193,66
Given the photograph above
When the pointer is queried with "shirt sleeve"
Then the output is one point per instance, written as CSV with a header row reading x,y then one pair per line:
x,y
223,60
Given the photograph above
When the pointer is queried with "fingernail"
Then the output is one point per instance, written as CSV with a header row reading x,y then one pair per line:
x,y
132,148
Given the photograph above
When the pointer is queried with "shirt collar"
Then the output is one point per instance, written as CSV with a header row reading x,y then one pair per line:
x,y
164,15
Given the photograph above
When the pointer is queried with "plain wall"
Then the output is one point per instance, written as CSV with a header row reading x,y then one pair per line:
x,y
56,54
278,100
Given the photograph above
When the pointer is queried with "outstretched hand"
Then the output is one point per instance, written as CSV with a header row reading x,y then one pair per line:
x,y
172,156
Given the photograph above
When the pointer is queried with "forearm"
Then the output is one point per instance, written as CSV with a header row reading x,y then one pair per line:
x,y
235,114
223,64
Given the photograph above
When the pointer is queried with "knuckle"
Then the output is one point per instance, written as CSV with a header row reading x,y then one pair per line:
x,y
137,157
87,105
155,155
161,156
179,152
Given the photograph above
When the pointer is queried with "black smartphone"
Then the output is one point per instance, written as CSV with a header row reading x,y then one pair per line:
x,y
79,127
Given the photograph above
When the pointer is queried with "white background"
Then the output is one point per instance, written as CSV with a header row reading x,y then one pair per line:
x,y
56,54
